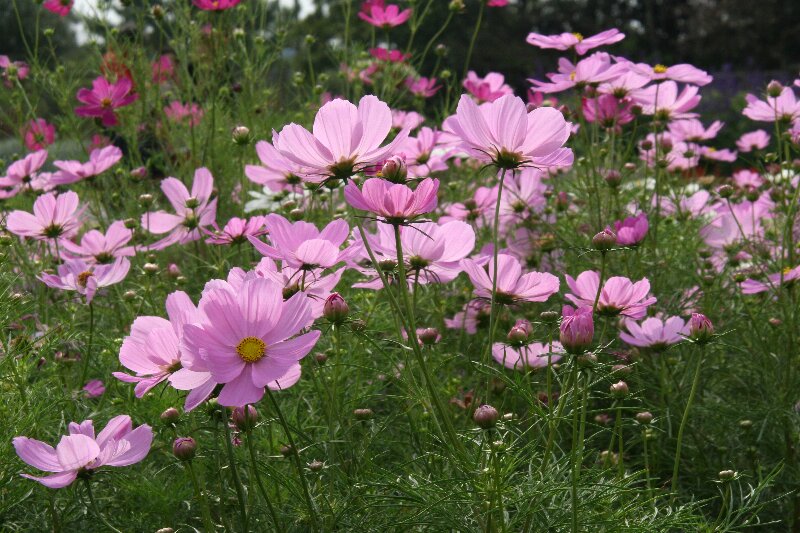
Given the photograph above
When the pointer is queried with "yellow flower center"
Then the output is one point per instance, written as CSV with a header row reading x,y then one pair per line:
x,y
660,69
787,270
572,76
578,36
105,102
251,349
83,278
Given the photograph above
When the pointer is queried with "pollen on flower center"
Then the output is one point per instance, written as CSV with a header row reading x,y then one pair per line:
x,y
660,69
83,278
251,349
578,36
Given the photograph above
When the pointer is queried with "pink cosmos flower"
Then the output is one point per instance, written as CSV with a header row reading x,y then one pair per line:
x,y
96,247
408,120
505,133
477,208
709,152
117,445
21,172
618,296
752,286
747,179
55,216
163,69
94,388
632,230
237,230
301,244
85,279
215,5
59,7
655,334
100,160
683,73
534,355
693,130
753,140
192,211
624,84
607,110
576,331
581,44
523,196
189,114
104,97
13,71
345,139
592,70
38,134
99,141
497,3
247,338
512,285
473,314
664,101
275,171
394,202
384,17
784,107
424,153
422,87
384,54
487,89
153,352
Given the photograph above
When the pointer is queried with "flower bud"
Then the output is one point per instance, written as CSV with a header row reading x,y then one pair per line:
x,y
170,415
619,389
645,417
146,200
335,308
587,360
363,414
727,475
358,325
245,420
774,89
173,270
150,268
131,223
192,202
485,416
296,214
456,6
184,448
577,330
241,135
613,178
287,450
549,317
517,336
701,330
604,240
725,191
139,172
315,466
429,336
395,169
158,12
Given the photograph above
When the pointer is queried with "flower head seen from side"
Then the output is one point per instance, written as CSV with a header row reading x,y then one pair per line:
x,y
215,5
236,231
632,230
529,356
249,337
505,134
58,7
55,216
654,334
486,89
100,160
512,285
619,295
104,98
394,203
81,452
576,330
785,107
86,279
753,140
384,16
301,244
581,44
23,172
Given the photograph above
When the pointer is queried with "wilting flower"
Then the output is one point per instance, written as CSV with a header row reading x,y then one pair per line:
x,y
618,296
653,333
512,285
632,230
104,97
503,132
215,5
59,7
301,244
100,160
533,355
576,331
784,107
247,338
117,445
384,16
38,134
345,139
77,275
393,202
754,140
55,216
192,211
487,89
96,247
581,44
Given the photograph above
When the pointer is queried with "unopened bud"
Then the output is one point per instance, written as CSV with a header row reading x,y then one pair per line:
x,y
363,414
604,240
245,419
315,466
727,475
335,308
619,389
485,416
774,89
395,169
184,448
645,417
241,135
429,336
146,200
170,415
701,330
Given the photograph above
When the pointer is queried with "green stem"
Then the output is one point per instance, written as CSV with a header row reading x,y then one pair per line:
x,y
575,459
685,418
473,39
198,491
257,475
495,252
95,510
237,481
85,369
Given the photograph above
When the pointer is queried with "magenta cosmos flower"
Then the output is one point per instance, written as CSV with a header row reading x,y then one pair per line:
x,y
80,451
512,285
632,230
301,244
96,247
655,334
247,337
104,97
55,216
592,70
100,160
39,134
192,211
785,107
77,275
384,17
619,295
486,89
581,44
394,203
422,87
345,139
59,7
533,355
215,5
503,132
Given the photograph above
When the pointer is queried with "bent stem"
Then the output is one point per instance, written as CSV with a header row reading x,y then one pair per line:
x,y
85,369
685,418
95,510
